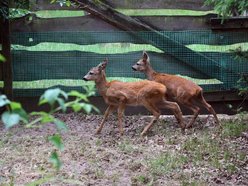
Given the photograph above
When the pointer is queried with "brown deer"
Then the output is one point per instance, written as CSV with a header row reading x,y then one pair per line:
x,y
119,94
179,89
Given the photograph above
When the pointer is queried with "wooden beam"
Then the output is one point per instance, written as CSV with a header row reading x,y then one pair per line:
x,y
7,65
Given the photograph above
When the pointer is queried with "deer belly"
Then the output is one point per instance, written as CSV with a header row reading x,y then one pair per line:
x,y
117,101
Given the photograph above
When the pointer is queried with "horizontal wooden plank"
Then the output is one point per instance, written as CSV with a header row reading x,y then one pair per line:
x,y
169,4
81,38
235,23
130,4
28,65
94,37
90,23
31,23
220,106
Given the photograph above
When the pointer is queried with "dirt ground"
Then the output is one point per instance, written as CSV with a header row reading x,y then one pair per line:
x,y
205,155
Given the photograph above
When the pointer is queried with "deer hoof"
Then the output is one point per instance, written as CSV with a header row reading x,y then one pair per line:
x,y
98,131
142,134
189,126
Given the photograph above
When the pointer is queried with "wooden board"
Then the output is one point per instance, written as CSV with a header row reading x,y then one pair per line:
x,y
90,23
230,24
204,37
35,24
129,4
166,4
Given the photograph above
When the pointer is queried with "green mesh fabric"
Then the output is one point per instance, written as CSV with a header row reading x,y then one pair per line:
x,y
171,56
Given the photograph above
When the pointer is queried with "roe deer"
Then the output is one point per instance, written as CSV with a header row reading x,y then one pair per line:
x,y
119,94
179,89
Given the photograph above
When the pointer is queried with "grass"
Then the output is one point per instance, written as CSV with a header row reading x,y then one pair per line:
x,y
128,12
104,48
120,48
231,129
208,149
166,162
163,12
218,48
126,146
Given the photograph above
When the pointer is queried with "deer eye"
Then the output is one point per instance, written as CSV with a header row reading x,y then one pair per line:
x,y
91,73
138,64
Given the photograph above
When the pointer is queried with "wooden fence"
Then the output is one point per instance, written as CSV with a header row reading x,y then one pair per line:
x,y
173,36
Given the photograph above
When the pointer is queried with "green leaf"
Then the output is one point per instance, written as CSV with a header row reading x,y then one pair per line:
x,y
47,118
50,96
87,107
22,113
95,109
56,141
3,100
62,104
54,159
2,58
76,107
68,3
15,105
60,125
17,109
53,1
78,95
10,119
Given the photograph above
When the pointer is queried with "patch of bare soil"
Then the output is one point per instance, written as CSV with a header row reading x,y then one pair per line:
x,y
205,155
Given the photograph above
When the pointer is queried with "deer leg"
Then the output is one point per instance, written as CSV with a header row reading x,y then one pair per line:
x,y
177,112
156,114
195,109
209,108
108,111
121,110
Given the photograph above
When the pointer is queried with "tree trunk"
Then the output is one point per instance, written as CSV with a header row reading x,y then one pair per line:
x,y
5,41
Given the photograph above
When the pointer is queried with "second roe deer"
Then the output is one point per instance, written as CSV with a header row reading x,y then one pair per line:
x,y
119,94
179,89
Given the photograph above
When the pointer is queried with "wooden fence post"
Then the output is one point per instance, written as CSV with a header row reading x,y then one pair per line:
x,y
7,70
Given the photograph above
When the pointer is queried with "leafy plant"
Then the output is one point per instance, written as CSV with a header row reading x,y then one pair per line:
x,y
58,101
2,58
226,8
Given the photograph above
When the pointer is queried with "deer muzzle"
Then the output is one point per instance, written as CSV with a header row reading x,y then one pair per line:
x,y
85,79
134,68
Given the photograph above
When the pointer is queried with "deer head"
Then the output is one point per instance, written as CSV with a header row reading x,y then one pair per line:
x,y
96,72
143,63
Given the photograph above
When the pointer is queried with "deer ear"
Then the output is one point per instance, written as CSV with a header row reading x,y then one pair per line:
x,y
145,56
103,64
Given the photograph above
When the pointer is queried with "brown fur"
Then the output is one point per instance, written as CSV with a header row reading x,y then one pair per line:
x,y
119,94
179,89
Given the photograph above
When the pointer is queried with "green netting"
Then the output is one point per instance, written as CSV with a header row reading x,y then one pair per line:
x,y
85,38
171,55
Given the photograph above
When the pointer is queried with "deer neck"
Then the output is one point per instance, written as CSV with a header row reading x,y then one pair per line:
x,y
102,85
150,73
